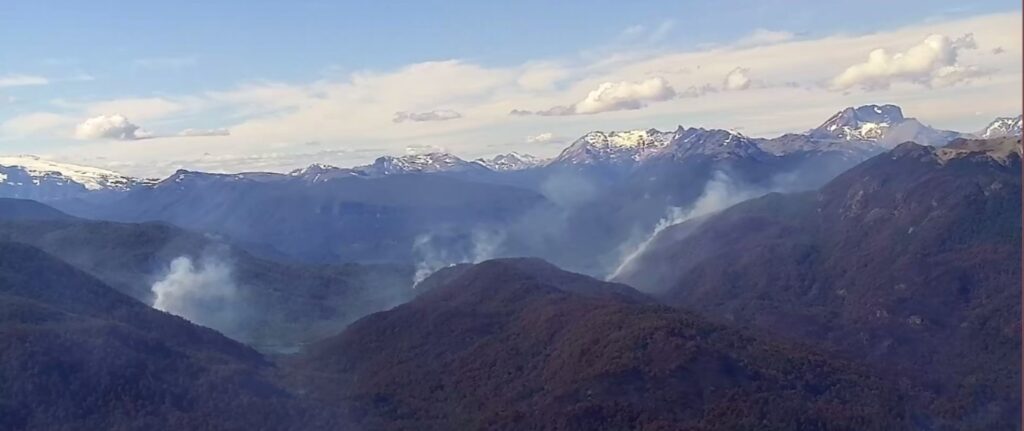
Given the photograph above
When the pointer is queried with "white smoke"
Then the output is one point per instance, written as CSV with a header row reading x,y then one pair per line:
x,y
433,251
720,193
205,294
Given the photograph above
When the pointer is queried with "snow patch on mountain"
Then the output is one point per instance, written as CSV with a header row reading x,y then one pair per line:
x,y
91,178
864,123
626,146
637,146
511,162
417,163
1002,127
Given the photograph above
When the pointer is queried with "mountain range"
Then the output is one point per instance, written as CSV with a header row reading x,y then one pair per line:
x,y
910,261
579,209
863,275
868,128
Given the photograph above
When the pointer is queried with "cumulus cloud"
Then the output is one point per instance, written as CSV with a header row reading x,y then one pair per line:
x,y
118,127
736,79
435,115
613,96
22,80
114,126
932,62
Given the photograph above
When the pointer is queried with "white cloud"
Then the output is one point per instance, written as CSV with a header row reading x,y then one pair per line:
x,y
541,138
204,132
33,124
932,62
118,127
435,115
22,80
141,109
277,119
613,96
414,150
114,126
736,80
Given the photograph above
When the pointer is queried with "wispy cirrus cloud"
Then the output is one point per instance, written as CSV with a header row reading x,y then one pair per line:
x,y
543,138
204,132
762,36
18,80
435,115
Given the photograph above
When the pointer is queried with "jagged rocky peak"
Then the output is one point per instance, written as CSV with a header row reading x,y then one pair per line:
x,y
868,122
639,138
713,142
313,169
417,163
614,147
1002,127
511,162
320,172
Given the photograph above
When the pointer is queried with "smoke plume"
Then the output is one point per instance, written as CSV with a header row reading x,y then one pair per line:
x,y
204,293
433,251
720,192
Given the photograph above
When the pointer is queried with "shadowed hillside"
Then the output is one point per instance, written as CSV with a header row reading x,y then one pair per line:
x,y
520,344
77,355
910,260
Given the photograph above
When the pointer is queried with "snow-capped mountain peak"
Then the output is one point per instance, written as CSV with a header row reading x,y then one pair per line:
x,y
39,170
715,143
863,123
320,172
510,162
1002,127
312,169
639,139
617,147
417,163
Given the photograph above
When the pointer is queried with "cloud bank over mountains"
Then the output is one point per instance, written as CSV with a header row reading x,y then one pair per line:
x,y
955,73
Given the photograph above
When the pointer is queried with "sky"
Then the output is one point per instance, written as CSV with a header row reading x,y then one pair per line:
x,y
146,88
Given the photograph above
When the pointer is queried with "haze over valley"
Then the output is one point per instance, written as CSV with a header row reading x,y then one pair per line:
x,y
768,220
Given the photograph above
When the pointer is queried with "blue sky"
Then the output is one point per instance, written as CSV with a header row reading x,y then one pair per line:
x,y
207,65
